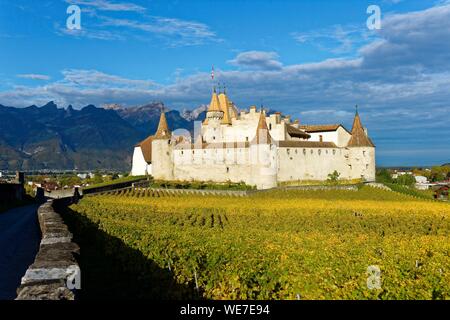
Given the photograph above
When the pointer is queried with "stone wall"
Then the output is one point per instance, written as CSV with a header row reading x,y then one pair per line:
x,y
112,186
54,271
11,192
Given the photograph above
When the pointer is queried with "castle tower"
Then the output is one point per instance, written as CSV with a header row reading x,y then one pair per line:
x,y
362,152
263,156
214,111
162,155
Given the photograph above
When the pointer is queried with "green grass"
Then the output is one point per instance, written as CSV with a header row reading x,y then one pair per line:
x,y
411,191
319,183
116,181
201,185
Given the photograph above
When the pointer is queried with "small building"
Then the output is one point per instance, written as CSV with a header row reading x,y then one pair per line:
x,y
50,185
441,193
421,179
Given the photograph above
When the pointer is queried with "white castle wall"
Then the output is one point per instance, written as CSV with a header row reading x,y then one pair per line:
x,y
362,163
340,137
140,167
162,159
241,130
310,163
261,165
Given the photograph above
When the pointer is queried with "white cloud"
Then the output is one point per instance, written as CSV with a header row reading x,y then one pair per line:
x,y
137,25
400,81
34,76
337,39
177,32
257,59
105,5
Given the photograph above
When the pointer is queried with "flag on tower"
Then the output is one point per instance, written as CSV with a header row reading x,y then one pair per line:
x,y
212,73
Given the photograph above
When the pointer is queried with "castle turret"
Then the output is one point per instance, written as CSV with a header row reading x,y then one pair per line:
x,y
359,137
214,111
263,156
362,152
162,155
262,131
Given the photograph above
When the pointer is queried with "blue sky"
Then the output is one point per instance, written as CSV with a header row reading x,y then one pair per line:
x,y
312,59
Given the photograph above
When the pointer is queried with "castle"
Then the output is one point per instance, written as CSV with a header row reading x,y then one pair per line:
x,y
253,147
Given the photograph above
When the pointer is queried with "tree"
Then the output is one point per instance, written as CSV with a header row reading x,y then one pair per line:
x,y
333,177
406,179
438,173
384,176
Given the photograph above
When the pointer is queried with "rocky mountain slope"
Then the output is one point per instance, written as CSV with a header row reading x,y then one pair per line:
x,y
49,137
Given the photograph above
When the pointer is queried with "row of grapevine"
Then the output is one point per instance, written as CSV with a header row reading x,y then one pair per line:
x,y
284,244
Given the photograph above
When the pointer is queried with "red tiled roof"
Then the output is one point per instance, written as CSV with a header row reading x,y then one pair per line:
x,y
306,144
146,147
295,132
359,137
320,127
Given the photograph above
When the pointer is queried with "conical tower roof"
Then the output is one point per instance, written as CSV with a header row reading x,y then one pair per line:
x,y
359,137
262,131
224,107
163,131
214,105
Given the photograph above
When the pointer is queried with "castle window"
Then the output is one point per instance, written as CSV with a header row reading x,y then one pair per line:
x,y
296,151
321,138
246,139
334,151
182,152
214,138
270,126
312,151
288,151
364,153
367,166
228,169
320,151
168,141
193,152
304,151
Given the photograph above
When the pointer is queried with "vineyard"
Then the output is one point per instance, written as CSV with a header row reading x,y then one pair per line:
x,y
272,245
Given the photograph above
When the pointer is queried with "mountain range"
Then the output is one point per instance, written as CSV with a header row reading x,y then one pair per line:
x,y
48,137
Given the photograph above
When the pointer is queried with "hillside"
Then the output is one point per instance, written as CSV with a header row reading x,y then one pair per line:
x,y
49,137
